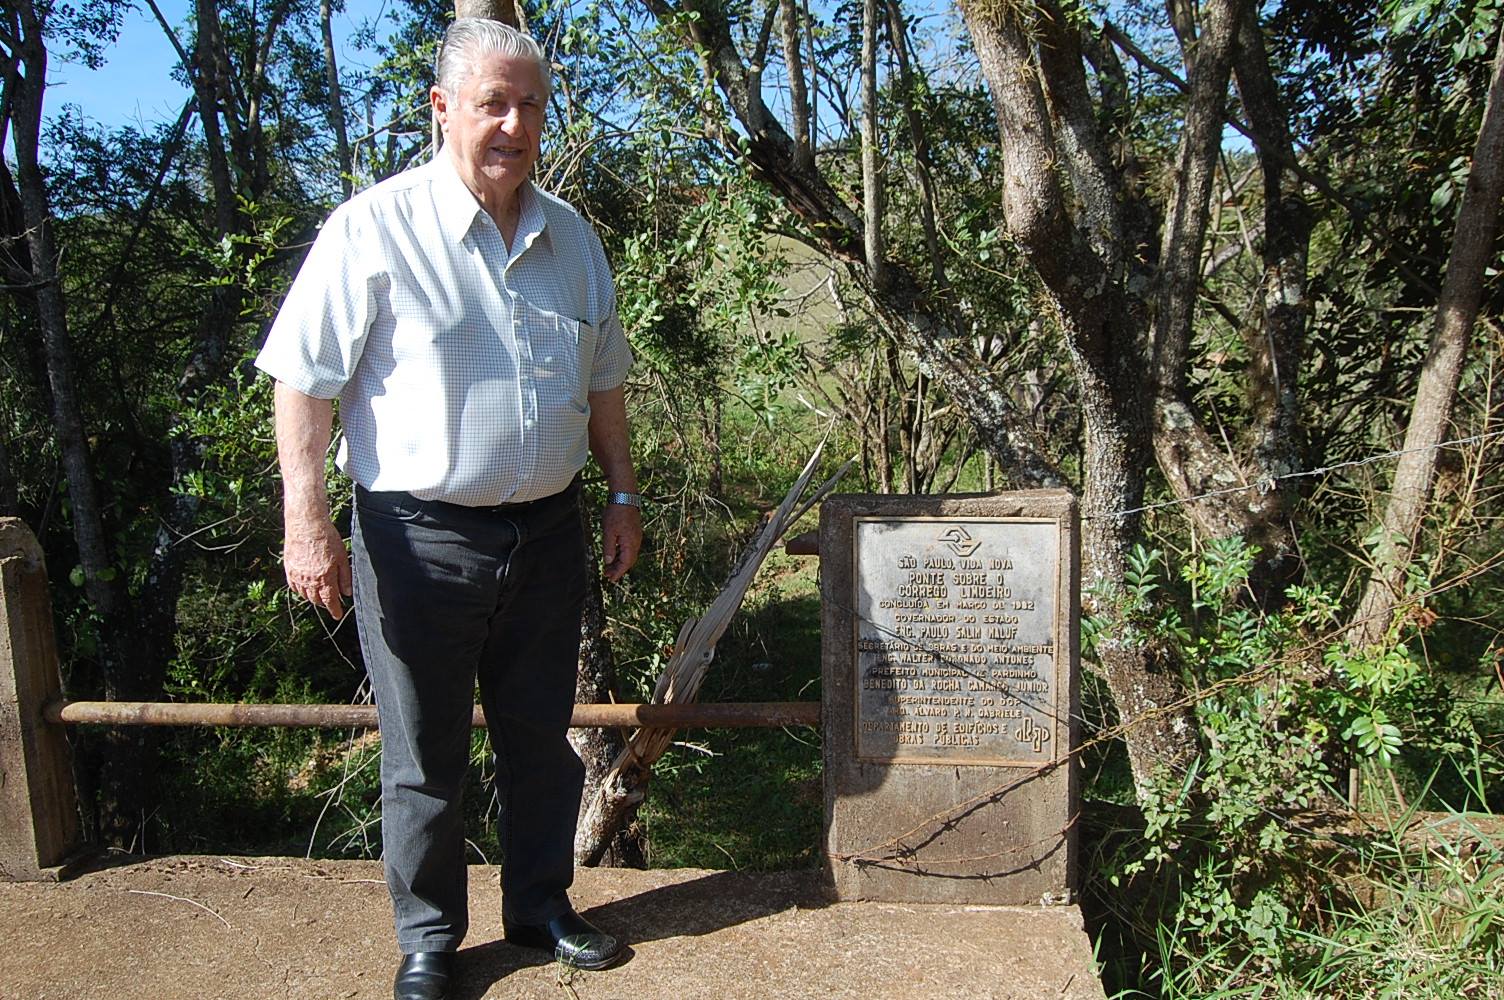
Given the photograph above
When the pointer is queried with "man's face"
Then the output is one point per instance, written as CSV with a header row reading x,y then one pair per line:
x,y
492,125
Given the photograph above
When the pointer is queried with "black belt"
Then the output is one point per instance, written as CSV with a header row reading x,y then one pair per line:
x,y
402,498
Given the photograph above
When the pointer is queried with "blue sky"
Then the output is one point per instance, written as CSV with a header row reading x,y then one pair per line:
x,y
136,85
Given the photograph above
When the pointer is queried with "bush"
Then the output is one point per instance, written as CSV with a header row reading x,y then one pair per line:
x,y
1247,898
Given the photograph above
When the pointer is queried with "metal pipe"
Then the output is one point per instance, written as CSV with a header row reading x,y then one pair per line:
x,y
767,714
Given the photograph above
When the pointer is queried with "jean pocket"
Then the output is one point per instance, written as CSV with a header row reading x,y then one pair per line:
x,y
403,508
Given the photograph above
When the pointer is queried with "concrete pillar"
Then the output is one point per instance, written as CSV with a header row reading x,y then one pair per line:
x,y
38,812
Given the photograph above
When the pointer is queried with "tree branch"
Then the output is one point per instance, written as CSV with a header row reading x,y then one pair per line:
x,y
1185,222
919,141
760,48
1093,179
336,103
172,36
902,305
1286,226
1436,392
872,181
793,63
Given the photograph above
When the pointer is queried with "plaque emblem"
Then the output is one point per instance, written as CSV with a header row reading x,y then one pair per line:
x,y
1030,733
960,541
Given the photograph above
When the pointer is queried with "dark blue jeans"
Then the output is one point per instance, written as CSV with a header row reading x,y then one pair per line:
x,y
446,596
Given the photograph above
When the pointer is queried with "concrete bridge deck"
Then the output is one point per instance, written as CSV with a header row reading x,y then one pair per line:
x,y
251,928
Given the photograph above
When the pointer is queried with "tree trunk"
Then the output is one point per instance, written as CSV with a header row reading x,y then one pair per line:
x,y
920,143
1098,323
872,180
715,485
52,316
208,361
202,74
10,504
598,746
15,268
122,787
336,102
235,156
1436,392
1276,343
793,62
1193,461
505,11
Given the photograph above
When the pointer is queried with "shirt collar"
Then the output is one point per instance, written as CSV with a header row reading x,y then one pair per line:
x,y
458,208
532,222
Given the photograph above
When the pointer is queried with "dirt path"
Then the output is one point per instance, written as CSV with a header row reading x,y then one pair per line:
x,y
199,928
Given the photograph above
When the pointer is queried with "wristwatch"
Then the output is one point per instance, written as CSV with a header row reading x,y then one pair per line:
x,y
625,499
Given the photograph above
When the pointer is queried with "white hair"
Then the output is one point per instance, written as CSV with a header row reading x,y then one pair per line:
x,y
469,38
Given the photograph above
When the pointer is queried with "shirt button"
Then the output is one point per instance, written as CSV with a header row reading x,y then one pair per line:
x,y
528,422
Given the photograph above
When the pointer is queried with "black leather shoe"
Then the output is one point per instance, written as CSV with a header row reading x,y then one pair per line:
x,y
573,940
423,975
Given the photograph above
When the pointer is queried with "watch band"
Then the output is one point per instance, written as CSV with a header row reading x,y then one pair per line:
x,y
625,499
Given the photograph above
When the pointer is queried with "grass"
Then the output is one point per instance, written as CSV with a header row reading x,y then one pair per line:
x,y
738,800
749,798
1397,913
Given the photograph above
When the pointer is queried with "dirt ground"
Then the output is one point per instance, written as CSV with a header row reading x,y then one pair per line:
x,y
251,928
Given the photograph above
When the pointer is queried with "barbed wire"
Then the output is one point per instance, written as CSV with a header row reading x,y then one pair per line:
x,y
1266,484
899,849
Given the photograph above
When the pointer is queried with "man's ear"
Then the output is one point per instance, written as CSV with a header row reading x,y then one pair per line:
x,y
439,101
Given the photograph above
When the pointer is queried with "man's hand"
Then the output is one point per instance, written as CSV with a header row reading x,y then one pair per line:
x,y
621,539
317,565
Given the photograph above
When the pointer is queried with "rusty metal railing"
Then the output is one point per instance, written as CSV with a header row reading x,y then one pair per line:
x,y
691,715
38,810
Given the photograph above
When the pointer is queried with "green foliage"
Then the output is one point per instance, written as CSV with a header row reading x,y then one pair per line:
x,y
751,337
1468,27
1378,681
1282,703
244,259
1400,916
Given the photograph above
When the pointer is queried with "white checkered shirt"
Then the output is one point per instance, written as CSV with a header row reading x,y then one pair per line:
x,y
462,370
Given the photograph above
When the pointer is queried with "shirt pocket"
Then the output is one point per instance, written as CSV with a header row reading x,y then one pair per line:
x,y
563,350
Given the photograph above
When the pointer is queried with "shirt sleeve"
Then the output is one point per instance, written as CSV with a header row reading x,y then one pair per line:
x,y
613,355
316,339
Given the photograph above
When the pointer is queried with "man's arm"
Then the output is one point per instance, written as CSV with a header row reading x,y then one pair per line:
x,y
610,443
313,554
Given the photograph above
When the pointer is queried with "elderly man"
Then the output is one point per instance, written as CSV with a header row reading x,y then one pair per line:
x,y
467,324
